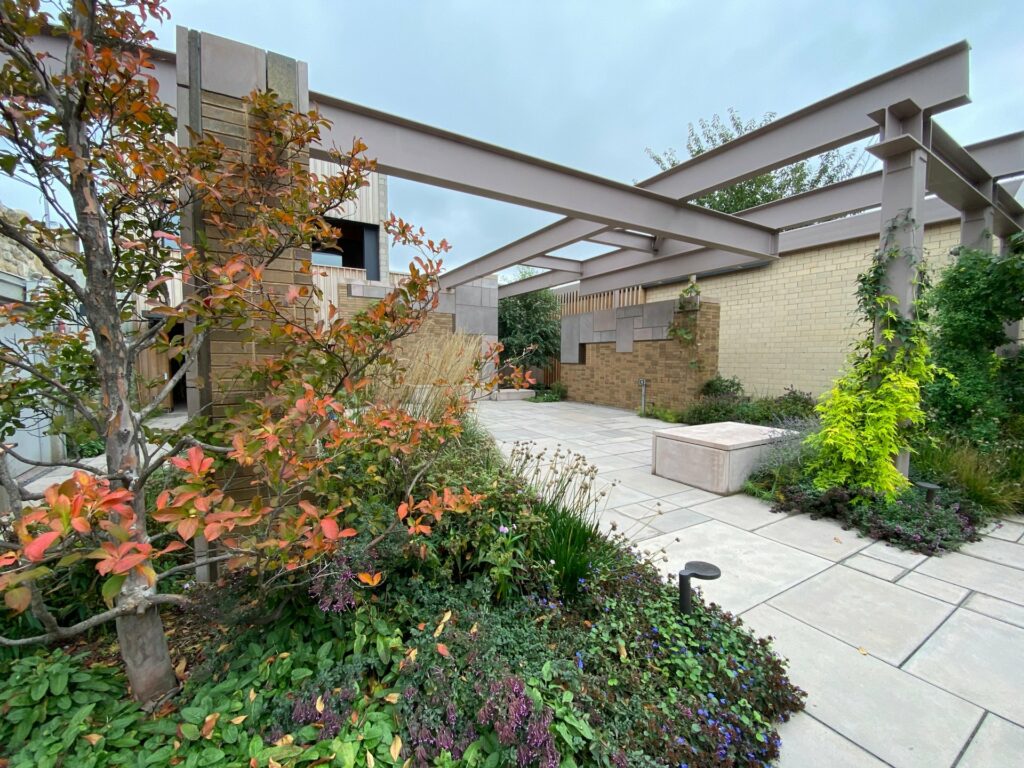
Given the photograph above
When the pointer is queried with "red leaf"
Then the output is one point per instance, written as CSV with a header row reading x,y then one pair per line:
x,y
330,526
81,525
347,533
126,563
36,550
174,546
187,528
443,650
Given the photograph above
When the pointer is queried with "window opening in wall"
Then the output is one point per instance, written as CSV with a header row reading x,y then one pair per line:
x,y
355,248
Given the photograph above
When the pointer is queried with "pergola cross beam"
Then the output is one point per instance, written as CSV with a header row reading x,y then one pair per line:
x,y
935,82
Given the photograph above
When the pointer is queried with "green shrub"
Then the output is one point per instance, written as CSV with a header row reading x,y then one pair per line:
x,y
978,295
993,479
719,386
907,519
873,408
553,394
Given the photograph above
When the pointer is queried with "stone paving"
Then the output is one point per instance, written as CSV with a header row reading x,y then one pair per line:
x,y
909,661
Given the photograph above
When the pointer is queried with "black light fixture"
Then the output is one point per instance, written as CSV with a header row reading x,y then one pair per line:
x,y
695,569
930,489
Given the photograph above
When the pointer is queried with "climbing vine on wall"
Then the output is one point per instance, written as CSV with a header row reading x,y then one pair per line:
x,y
868,415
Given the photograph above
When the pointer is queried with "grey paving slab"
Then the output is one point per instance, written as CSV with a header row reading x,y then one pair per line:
x,y
886,620
824,538
876,568
890,554
675,520
926,585
978,658
995,608
689,498
903,720
740,510
643,480
979,575
620,495
1005,530
754,569
998,744
806,742
996,550
609,462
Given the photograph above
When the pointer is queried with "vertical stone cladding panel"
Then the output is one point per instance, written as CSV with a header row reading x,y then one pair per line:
x,y
793,322
218,74
675,370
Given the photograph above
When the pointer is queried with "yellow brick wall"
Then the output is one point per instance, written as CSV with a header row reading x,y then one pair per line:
x,y
792,323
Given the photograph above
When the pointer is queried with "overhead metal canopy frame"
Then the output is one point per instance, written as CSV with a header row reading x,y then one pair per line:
x,y
657,235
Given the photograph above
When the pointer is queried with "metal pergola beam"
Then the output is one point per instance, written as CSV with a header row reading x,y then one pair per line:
x,y
555,262
422,153
622,239
536,283
598,278
935,82
1003,156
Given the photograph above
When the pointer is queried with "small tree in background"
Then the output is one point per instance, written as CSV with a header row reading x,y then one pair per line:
x,y
828,168
530,327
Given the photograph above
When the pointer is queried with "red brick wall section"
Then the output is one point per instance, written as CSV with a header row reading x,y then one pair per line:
x,y
675,370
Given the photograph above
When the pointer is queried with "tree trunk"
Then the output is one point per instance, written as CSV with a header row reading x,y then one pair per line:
x,y
147,659
141,637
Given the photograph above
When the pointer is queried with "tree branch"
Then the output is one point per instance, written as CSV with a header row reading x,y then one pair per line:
x,y
8,231
130,604
179,374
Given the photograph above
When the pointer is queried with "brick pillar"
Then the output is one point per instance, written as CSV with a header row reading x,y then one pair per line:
x,y
214,74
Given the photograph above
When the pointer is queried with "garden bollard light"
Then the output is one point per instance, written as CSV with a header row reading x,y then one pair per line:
x,y
930,489
695,569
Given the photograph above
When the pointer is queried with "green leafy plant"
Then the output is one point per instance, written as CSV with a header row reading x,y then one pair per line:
x,y
530,328
978,295
719,386
991,479
906,519
868,416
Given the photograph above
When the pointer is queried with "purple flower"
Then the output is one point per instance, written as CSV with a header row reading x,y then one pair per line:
x,y
503,529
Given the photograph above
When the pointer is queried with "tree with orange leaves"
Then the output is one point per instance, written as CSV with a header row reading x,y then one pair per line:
x,y
91,133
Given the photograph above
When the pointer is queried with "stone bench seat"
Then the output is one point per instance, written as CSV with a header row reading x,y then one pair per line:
x,y
714,457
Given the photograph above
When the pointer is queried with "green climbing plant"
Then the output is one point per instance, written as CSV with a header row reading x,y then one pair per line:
x,y
868,416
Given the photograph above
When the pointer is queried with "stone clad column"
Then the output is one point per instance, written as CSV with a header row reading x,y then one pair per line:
x,y
904,170
214,75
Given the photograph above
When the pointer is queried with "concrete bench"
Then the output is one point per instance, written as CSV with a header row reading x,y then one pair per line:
x,y
512,394
715,457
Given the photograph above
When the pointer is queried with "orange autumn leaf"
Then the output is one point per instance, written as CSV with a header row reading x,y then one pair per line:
x,y
370,580
443,650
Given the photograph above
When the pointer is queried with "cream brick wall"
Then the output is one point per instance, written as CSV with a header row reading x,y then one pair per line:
x,y
792,323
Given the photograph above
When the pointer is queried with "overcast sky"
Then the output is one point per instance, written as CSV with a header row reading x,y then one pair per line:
x,y
590,84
